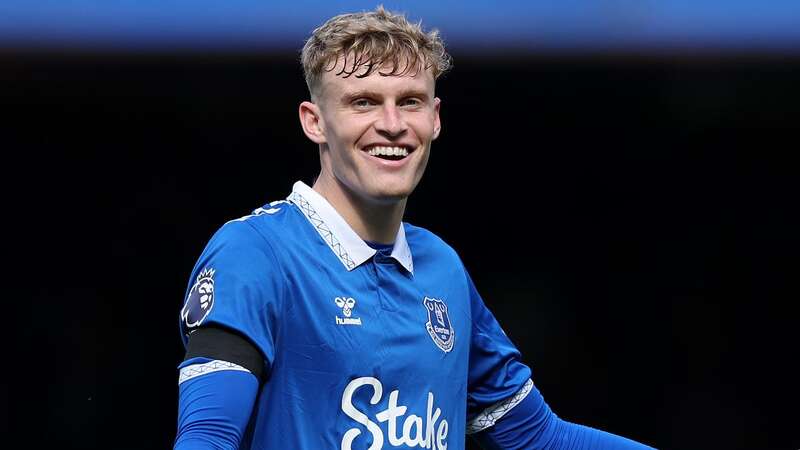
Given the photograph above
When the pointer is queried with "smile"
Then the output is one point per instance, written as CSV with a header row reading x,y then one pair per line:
x,y
392,153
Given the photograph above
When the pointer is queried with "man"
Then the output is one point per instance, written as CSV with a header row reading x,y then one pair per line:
x,y
324,321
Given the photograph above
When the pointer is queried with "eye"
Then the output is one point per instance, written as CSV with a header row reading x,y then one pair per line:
x,y
412,102
362,103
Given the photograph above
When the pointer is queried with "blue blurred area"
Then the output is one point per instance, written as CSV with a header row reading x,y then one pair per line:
x,y
476,25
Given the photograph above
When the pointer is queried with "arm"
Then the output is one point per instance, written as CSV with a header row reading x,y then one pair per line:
x,y
531,424
218,386
214,408
228,323
505,409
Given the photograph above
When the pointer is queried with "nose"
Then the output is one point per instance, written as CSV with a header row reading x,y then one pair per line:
x,y
391,121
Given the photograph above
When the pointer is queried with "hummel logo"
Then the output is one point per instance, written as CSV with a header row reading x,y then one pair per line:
x,y
347,304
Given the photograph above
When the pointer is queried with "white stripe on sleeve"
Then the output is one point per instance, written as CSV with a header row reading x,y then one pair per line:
x,y
492,414
196,370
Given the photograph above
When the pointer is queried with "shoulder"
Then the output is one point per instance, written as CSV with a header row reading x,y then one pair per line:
x,y
265,222
426,244
260,229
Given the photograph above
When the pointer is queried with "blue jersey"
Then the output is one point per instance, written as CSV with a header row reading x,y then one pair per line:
x,y
363,348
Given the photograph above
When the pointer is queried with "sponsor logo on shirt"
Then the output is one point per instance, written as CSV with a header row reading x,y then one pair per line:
x,y
438,325
346,304
425,432
200,300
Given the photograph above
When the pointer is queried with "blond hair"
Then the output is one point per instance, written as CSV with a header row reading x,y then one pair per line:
x,y
375,40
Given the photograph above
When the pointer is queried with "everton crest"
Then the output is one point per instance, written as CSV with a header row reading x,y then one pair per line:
x,y
439,326
200,299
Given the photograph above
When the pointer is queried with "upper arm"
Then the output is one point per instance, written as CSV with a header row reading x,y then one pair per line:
x,y
236,285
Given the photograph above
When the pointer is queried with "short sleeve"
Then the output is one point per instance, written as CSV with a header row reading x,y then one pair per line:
x,y
496,372
237,283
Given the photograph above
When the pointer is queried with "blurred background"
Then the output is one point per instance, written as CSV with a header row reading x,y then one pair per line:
x,y
618,176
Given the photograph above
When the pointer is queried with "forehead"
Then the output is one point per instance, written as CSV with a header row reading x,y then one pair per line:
x,y
343,79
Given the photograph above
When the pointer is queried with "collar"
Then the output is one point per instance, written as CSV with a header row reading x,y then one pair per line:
x,y
351,250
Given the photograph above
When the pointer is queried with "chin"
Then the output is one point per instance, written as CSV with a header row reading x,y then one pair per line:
x,y
391,193
388,197
391,190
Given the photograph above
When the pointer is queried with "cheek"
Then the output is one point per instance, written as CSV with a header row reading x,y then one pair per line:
x,y
342,141
424,163
337,146
424,128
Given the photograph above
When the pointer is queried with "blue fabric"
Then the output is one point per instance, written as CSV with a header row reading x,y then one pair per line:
x,y
496,371
532,425
362,349
214,409
354,356
238,284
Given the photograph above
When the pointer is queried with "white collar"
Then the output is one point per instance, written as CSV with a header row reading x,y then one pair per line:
x,y
351,250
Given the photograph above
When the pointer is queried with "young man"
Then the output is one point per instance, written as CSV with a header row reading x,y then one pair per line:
x,y
324,321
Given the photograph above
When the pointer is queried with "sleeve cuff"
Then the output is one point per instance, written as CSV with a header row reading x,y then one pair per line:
x,y
489,416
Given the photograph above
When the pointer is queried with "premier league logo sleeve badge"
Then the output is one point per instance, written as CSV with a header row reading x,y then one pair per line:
x,y
200,299
438,325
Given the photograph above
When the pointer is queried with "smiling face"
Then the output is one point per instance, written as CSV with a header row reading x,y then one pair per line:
x,y
375,132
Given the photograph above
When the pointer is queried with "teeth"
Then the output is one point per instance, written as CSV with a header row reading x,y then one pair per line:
x,y
388,151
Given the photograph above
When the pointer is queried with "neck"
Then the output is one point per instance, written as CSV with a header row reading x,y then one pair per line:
x,y
372,221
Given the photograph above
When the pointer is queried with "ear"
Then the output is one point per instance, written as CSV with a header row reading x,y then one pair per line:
x,y
312,122
437,124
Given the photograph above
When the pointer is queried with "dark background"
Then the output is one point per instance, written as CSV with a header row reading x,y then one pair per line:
x,y
631,220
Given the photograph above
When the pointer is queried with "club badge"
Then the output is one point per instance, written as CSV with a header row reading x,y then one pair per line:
x,y
439,326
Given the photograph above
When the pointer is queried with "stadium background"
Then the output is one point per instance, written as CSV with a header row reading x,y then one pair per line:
x,y
617,175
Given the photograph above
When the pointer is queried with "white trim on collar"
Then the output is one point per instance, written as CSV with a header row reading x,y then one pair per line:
x,y
351,250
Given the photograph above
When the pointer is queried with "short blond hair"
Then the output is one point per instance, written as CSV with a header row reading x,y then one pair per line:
x,y
372,40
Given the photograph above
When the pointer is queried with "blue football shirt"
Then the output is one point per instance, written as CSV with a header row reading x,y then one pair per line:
x,y
363,348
